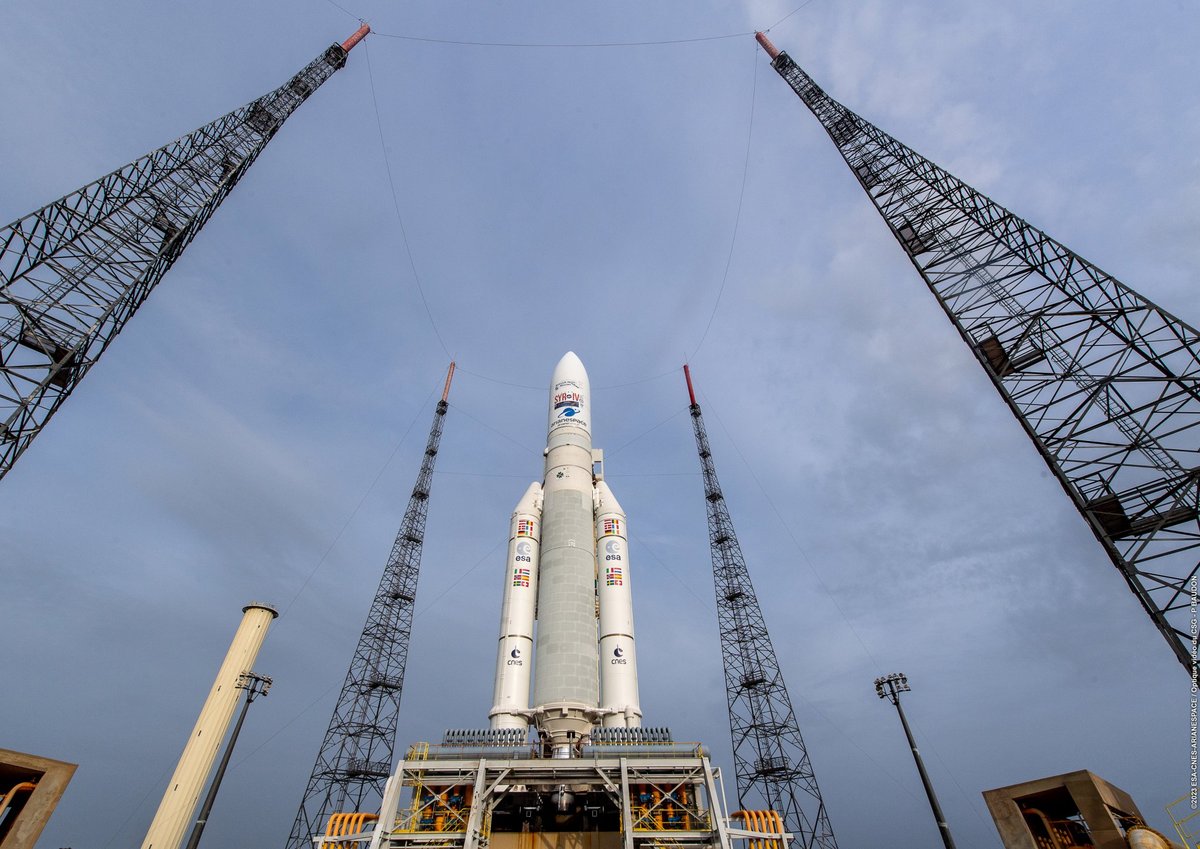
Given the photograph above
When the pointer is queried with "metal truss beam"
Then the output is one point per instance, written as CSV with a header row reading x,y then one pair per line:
x,y
769,756
74,272
1105,383
355,759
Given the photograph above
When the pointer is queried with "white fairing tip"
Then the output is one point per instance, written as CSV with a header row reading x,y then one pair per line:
x,y
570,395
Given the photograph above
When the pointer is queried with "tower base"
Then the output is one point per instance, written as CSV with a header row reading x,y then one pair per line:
x,y
492,795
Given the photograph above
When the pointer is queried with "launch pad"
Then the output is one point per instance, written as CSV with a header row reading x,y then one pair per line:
x,y
640,792
572,767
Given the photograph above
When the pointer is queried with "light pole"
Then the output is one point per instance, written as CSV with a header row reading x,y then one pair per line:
x,y
890,687
254,685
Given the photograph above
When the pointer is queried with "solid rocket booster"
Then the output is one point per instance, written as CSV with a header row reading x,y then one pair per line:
x,y
514,658
568,566
618,660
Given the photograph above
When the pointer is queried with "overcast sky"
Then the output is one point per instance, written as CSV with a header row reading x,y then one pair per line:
x,y
254,432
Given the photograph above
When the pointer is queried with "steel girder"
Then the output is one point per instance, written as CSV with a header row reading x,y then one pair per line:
x,y
770,759
1105,383
74,272
356,755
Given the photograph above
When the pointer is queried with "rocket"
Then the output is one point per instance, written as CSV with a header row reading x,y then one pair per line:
x,y
568,575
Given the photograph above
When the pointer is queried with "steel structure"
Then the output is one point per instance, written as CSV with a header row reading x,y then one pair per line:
x,y
1106,383
74,272
495,794
890,687
356,756
770,760
255,685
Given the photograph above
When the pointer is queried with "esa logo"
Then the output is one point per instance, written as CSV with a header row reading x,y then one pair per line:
x,y
515,658
618,658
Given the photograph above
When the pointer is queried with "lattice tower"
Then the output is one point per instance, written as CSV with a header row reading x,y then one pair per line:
x,y
1105,383
355,759
75,271
769,756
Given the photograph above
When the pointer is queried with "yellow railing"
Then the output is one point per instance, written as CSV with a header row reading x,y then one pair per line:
x,y
417,752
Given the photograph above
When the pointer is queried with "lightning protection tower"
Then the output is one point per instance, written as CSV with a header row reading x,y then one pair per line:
x,y
74,272
769,757
356,755
1105,383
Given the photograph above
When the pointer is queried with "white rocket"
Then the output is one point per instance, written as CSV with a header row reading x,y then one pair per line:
x,y
568,568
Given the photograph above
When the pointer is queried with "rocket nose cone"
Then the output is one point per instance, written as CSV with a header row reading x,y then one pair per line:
x,y
570,367
570,395
570,360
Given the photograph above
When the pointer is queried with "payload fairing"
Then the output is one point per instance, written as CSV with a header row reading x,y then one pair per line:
x,y
568,569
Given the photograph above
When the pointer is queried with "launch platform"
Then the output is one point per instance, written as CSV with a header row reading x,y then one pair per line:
x,y
477,790
566,762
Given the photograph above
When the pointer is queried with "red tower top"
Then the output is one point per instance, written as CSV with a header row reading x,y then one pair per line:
x,y
449,377
766,44
358,36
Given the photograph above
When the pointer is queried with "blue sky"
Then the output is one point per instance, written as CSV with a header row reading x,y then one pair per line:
x,y
254,432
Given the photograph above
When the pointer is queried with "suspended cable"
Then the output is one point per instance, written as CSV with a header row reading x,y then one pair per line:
x,y
502,541
686,585
480,474
577,44
361,501
788,530
484,424
788,15
501,382
396,205
338,683
543,387
969,797
652,475
344,9
161,781
669,373
904,785
738,216
623,446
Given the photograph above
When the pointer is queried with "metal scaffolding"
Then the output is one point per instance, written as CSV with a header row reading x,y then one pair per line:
x,y
356,756
1105,383
74,272
769,756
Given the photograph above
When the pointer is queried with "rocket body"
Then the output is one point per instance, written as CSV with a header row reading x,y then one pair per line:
x,y
566,687
618,658
514,657
585,668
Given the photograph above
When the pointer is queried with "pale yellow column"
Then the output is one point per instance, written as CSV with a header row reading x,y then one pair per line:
x,y
178,806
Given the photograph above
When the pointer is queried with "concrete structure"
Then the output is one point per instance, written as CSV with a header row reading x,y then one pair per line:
x,y
1063,811
30,787
183,792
